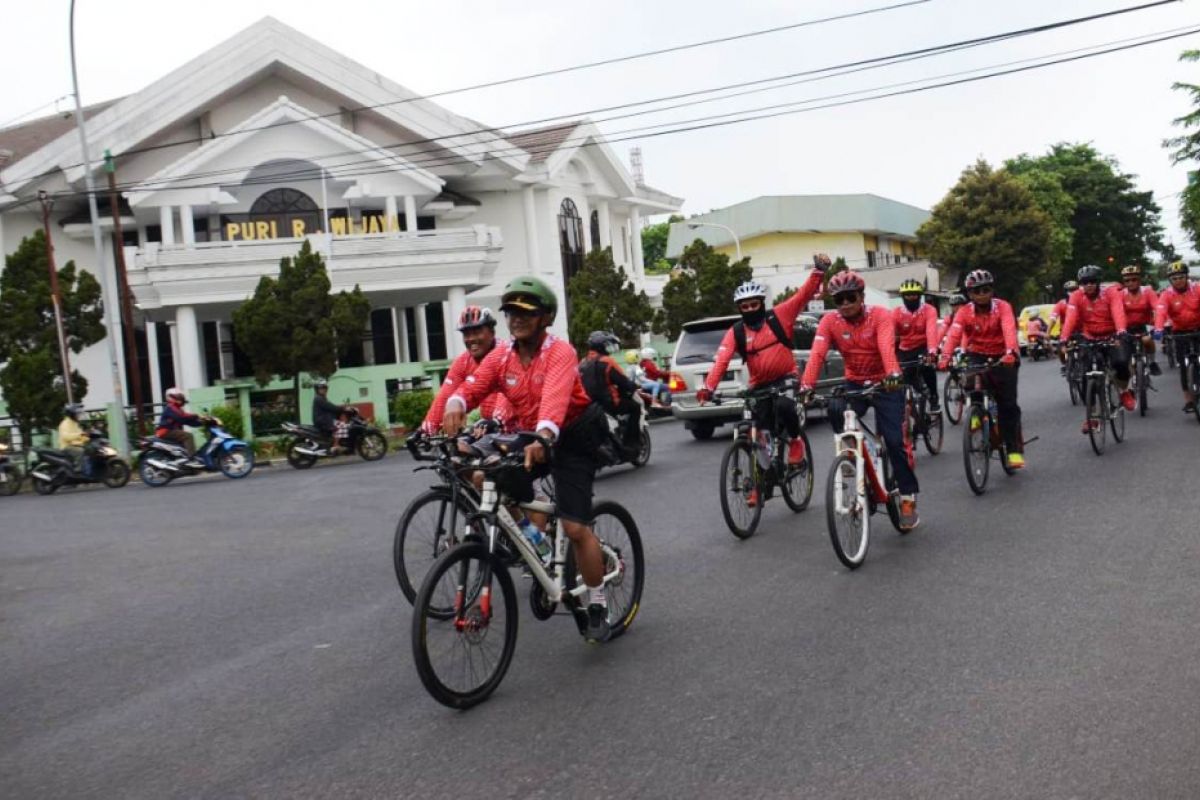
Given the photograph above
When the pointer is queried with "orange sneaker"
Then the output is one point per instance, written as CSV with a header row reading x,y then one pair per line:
x,y
752,498
908,514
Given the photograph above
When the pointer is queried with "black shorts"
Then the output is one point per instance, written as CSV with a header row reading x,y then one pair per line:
x,y
575,463
1138,330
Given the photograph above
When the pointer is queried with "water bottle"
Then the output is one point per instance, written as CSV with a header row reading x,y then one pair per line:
x,y
536,538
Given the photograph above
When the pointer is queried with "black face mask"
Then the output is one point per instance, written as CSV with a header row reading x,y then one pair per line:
x,y
754,319
912,304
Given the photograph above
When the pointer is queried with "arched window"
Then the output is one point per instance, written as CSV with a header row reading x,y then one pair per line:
x,y
570,239
283,201
290,212
595,229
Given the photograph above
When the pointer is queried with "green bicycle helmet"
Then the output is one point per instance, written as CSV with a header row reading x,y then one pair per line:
x,y
528,292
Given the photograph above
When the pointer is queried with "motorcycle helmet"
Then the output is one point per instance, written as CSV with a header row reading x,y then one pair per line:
x,y
648,352
73,410
631,356
320,383
600,341
175,393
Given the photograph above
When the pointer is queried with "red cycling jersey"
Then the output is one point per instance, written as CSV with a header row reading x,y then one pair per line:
x,y
651,370
1182,309
767,358
1139,308
867,345
1059,312
494,406
916,329
987,333
1099,318
547,393
1034,329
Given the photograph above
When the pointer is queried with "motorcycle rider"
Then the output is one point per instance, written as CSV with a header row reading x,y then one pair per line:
x,y
174,418
608,385
73,440
656,380
478,328
325,414
1035,329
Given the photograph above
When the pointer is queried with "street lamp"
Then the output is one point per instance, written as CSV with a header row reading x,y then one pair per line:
x,y
736,242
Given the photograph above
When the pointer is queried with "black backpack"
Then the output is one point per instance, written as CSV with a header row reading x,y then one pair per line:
x,y
739,335
594,374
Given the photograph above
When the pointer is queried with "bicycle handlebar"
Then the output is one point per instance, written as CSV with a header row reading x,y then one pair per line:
x,y
774,389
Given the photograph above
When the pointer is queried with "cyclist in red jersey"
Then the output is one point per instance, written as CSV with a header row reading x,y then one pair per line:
x,y
478,328
768,357
987,329
1179,307
536,371
917,338
956,301
866,338
1140,302
1100,315
1059,315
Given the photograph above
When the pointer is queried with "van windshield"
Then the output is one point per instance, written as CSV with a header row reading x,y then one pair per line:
x,y
696,347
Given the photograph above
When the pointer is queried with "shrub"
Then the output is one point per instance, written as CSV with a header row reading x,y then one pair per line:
x,y
409,408
231,419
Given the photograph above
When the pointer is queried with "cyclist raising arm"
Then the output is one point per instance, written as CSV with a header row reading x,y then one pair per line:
x,y
1179,307
536,371
987,329
917,337
764,341
866,338
1099,315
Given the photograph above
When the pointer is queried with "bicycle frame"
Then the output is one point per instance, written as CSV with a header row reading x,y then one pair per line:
x,y
853,439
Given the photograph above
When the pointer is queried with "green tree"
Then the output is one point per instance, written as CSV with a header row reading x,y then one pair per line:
x,y
990,220
32,378
1113,223
703,287
604,299
654,243
293,324
1185,149
1052,198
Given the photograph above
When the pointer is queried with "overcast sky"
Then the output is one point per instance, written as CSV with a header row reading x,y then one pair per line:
x,y
907,148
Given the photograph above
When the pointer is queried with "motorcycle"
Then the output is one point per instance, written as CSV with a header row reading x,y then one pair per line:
x,y
163,461
1038,349
311,444
657,405
54,469
10,475
615,451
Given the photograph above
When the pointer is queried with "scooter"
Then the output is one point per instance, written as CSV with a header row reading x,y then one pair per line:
x,y
55,469
1038,348
10,475
311,444
657,404
615,451
163,461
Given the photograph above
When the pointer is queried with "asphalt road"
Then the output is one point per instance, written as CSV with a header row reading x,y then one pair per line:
x,y
247,639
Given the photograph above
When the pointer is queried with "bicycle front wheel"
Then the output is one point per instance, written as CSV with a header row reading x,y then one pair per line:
x,y
1116,414
977,448
1142,387
1097,415
1194,382
621,544
847,513
798,481
430,526
953,399
934,432
462,659
741,499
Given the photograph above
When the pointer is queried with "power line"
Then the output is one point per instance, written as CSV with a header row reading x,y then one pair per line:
x,y
806,76
53,102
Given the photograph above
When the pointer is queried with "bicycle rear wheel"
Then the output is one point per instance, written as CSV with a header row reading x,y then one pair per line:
x,y
1097,415
934,432
1194,382
1074,383
850,527
1116,414
622,545
462,659
426,529
1142,387
977,448
741,495
953,399
798,481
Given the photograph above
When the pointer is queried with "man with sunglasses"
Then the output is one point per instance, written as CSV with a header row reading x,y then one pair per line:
x,y
917,338
1179,307
866,338
537,373
987,329
764,342
1140,302
1100,314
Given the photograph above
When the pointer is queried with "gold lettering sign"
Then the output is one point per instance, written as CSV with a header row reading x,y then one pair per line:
x,y
260,230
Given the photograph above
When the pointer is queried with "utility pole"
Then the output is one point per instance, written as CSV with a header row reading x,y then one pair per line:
x,y
131,354
55,297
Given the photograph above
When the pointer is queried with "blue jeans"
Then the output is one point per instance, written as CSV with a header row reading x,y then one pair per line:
x,y
889,423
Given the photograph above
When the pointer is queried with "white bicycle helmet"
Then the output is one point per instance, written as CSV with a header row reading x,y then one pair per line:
x,y
749,290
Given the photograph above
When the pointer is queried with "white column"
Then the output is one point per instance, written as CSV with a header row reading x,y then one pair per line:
x,y
156,387
166,220
400,315
449,326
173,331
586,211
410,213
531,236
389,211
635,244
422,332
605,225
368,343
456,302
188,225
396,334
190,367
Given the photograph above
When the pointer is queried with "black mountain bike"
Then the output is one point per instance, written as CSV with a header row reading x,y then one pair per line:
x,y
1140,382
756,462
1104,409
1191,364
922,423
954,399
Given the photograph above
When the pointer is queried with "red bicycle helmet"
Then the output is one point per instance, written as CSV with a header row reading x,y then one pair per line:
x,y
846,281
475,317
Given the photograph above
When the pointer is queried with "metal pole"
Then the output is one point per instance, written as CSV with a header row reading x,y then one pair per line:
x,y
55,298
131,354
120,435
736,242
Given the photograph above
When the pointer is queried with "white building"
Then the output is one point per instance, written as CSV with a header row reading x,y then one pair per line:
x,y
227,163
